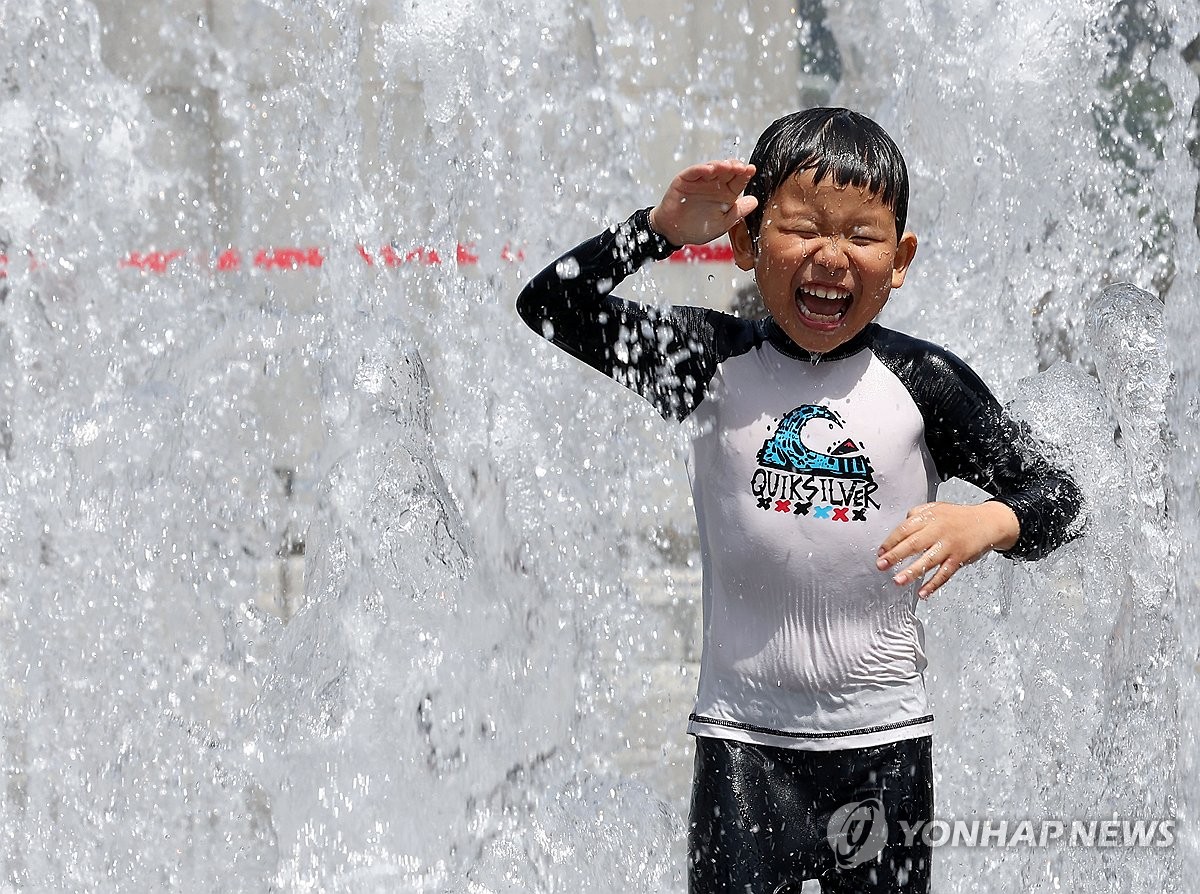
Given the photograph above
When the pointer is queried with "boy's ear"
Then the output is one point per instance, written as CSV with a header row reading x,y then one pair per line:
x,y
906,250
744,253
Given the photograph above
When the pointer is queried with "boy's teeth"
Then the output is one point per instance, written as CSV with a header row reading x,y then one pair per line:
x,y
812,301
827,294
820,318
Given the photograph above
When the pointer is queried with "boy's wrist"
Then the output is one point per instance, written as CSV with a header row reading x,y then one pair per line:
x,y
1007,526
662,247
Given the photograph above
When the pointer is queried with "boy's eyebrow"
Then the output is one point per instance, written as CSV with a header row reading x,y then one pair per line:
x,y
857,218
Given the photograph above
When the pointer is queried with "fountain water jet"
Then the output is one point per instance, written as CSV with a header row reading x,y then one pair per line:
x,y
446,709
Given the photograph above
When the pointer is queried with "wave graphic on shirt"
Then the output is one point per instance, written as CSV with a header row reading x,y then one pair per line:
x,y
786,451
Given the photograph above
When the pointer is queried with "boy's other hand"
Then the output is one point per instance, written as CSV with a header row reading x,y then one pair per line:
x,y
703,202
947,536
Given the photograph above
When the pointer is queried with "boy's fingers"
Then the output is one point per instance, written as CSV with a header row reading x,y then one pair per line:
x,y
910,546
738,172
744,205
734,165
945,571
900,544
714,179
701,171
934,555
738,209
891,551
725,171
917,517
938,534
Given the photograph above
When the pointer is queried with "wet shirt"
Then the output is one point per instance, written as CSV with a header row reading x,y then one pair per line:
x,y
800,467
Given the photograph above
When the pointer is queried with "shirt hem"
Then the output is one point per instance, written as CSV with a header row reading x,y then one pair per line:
x,y
882,734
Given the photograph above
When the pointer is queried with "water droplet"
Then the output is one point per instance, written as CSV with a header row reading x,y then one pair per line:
x,y
567,268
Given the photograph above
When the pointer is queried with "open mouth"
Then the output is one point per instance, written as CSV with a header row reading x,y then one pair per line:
x,y
823,306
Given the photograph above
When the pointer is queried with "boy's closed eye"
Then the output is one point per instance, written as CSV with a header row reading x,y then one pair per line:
x,y
855,236
803,230
866,236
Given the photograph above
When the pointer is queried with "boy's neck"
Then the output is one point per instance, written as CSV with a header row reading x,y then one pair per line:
x,y
780,340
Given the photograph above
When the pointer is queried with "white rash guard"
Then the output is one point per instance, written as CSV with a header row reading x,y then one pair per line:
x,y
800,468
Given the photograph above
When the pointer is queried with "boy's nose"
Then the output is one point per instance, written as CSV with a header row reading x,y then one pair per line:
x,y
830,254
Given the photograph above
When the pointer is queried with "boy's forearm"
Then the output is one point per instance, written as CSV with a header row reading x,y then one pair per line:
x,y
667,355
1049,509
570,302
576,281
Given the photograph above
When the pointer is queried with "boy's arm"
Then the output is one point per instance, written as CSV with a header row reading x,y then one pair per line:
x,y
664,354
667,355
1036,507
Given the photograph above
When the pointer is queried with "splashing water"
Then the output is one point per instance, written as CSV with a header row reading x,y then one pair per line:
x,y
331,578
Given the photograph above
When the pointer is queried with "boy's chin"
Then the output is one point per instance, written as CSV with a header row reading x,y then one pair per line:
x,y
821,340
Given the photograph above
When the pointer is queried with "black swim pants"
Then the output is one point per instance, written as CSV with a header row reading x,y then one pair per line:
x,y
765,819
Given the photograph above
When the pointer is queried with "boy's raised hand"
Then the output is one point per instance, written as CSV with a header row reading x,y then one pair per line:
x,y
703,202
948,536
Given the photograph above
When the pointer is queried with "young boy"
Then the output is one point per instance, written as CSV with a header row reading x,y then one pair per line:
x,y
820,442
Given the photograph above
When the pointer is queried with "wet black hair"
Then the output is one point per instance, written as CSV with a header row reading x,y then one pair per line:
x,y
845,145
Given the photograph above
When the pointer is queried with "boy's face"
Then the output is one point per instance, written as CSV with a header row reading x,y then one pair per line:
x,y
826,260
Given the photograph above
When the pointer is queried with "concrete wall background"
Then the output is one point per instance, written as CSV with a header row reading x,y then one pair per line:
x,y
677,59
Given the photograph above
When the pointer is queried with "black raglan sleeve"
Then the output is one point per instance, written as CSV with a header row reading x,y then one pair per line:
x,y
972,437
667,355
